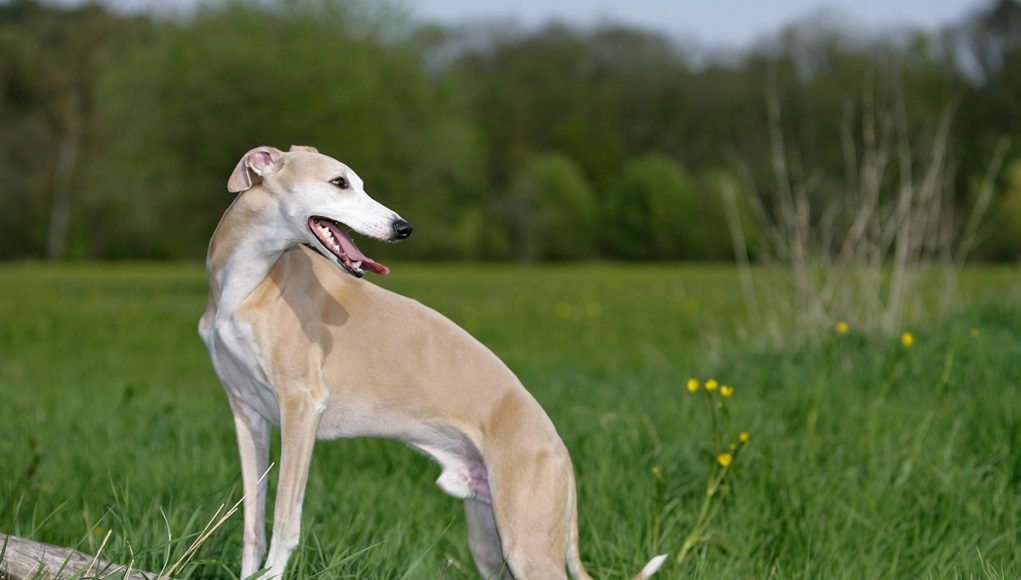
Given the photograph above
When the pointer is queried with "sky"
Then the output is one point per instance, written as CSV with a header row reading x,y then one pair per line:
x,y
721,22
727,23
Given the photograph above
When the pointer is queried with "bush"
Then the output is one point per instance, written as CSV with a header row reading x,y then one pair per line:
x,y
651,211
551,211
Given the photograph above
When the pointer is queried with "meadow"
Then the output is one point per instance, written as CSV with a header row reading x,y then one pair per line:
x,y
867,458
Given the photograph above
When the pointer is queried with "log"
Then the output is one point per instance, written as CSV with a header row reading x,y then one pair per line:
x,y
23,559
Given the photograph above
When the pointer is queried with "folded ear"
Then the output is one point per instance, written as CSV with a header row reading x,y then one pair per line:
x,y
255,165
306,148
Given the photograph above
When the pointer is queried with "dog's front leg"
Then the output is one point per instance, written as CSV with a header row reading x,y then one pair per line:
x,y
299,423
253,445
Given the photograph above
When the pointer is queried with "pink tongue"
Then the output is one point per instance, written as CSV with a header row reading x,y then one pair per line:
x,y
354,254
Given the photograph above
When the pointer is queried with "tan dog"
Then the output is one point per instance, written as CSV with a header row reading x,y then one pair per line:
x,y
300,341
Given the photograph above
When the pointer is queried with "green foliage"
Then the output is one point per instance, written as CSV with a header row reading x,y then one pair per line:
x,y
1010,207
651,211
711,234
130,124
866,459
51,60
238,76
1005,239
596,97
551,210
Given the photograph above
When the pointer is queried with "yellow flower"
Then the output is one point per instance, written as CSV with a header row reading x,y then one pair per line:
x,y
711,384
563,310
974,333
725,459
842,327
593,310
657,473
726,391
692,385
733,446
907,339
744,437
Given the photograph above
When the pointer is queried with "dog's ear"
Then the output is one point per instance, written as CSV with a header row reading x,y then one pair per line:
x,y
306,148
256,164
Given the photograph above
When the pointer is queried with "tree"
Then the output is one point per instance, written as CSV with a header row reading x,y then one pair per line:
x,y
594,96
234,76
52,58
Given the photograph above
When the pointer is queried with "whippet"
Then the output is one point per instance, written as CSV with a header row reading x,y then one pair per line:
x,y
300,340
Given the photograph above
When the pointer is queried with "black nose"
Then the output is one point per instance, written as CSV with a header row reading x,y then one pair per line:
x,y
402,229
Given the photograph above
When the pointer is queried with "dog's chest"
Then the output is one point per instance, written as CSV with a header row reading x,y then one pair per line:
x,y
241,366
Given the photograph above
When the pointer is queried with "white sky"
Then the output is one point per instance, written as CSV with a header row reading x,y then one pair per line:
x,y
718,22
715,22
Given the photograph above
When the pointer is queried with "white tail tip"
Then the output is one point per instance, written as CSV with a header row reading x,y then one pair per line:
x,y
653,566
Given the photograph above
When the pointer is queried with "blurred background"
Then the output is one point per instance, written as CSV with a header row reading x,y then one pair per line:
x,y
824,195
529,131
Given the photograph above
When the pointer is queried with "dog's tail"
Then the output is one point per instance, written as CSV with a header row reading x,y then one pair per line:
x,y
651,568
574,565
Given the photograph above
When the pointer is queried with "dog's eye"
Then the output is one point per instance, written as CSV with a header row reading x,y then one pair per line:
x,y
341,182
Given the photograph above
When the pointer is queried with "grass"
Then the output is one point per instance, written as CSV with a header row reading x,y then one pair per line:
x,y
867,460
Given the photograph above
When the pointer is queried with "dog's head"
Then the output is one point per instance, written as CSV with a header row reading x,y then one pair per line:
x,y
314,195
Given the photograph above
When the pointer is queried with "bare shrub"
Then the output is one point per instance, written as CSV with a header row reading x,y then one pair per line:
x,y
860,250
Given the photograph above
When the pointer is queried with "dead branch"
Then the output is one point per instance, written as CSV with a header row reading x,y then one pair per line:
x,y
23,559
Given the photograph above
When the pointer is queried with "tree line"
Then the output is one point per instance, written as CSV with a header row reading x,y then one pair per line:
x,y
118,131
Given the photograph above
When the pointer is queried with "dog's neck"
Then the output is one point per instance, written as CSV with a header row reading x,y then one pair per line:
x,y
247,243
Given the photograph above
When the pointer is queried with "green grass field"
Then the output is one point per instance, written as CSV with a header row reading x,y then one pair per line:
x,y
867,459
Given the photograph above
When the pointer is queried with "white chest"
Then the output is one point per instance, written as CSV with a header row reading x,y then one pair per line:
x,y
242,368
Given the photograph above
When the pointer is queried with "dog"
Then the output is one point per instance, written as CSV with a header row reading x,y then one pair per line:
x,y
299,339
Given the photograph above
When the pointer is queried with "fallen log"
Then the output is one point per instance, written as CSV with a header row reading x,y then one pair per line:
x,y
22,559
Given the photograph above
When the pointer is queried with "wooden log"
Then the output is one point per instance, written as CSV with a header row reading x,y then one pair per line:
x,y
24,559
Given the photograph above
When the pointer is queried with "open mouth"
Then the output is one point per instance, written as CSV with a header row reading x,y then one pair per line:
x,y
335,241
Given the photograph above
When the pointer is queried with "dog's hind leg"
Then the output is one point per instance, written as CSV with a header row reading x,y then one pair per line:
x,y
299,423
532,506
253,446
484,540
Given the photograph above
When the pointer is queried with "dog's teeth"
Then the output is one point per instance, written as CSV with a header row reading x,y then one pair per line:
x,y
357,264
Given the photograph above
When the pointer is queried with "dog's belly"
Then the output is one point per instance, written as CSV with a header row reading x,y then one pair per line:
x,y
464,473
